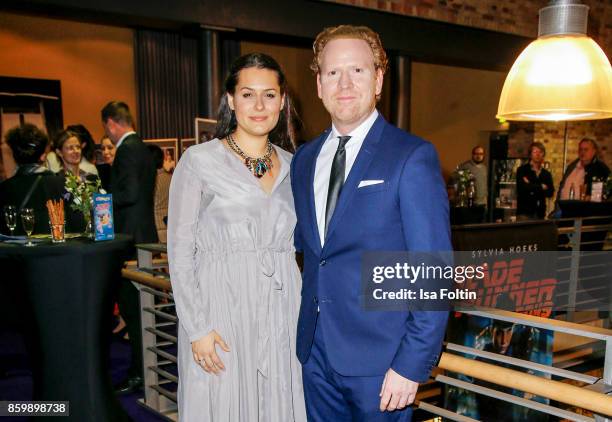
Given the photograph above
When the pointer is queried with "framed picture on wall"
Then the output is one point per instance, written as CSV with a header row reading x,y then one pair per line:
x,y
204,129
186,143
170,148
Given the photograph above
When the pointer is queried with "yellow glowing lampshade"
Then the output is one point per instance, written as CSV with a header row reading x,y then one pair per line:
x,y
560,77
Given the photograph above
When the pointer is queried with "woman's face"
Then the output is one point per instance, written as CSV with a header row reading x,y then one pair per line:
x,y
257,101
108,151
71,151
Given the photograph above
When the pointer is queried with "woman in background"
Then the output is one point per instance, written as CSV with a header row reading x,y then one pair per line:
x,y
87,148
104,167
162,191
33,184
54,162
533,185
232,261
68,149
108,150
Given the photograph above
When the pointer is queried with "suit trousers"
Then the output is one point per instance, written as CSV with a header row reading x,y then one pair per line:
x,y
129,306
334,397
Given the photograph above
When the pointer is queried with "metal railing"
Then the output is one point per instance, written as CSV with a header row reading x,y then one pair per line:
x,y
159,323
159,330
592,397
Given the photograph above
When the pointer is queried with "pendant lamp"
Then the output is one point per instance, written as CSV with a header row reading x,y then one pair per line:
x,y
561,76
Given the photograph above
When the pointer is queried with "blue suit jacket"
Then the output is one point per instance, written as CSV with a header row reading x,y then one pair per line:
x,y
409,211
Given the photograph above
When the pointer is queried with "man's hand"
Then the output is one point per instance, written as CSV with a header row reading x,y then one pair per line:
x,y
205,353
397,392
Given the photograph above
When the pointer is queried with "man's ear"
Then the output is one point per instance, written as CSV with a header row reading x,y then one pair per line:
x,y
379,82
319,85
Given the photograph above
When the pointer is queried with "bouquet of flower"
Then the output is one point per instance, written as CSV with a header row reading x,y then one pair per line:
x,y
79,193
463,178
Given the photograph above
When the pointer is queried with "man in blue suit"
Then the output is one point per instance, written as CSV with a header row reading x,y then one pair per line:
x,y
363,185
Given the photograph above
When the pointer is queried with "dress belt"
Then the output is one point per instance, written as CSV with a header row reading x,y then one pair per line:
x,y
271,281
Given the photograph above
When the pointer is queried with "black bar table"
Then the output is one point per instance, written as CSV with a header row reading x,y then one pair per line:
x,y
69,290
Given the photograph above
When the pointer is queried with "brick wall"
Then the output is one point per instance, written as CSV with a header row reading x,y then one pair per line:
x,y
511,16
552,134
518,17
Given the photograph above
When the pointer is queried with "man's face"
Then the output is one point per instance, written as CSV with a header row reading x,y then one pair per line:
x,y
478,155
348,82
537,155
586,152
501,339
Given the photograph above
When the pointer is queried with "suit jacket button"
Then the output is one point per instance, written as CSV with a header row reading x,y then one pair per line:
x,y
323,262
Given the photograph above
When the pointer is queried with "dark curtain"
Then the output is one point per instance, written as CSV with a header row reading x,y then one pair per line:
x,y
217,50
230,51
167,84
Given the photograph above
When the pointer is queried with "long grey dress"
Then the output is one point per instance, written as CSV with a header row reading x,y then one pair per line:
x,y
232,264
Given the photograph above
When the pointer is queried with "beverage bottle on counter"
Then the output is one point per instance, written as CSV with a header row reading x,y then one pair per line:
x,y
597,190
471,193
572,192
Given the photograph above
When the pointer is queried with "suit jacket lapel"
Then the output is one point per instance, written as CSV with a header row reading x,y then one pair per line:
x,y
362,162
311,196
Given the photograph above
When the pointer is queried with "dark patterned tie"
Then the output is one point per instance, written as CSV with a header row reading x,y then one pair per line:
x,y
336,179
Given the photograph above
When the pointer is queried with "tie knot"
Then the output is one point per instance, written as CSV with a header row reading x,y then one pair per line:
x,y
343,140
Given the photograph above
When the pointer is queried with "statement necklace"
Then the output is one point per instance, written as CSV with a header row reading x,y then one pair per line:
x,y
258,166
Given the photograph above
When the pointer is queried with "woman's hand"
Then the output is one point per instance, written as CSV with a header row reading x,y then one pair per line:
x,y
205,352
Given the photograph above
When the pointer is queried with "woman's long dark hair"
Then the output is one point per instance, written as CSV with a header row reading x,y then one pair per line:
x,y
284,134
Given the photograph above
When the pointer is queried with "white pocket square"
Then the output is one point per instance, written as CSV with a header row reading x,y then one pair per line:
x,y
369,183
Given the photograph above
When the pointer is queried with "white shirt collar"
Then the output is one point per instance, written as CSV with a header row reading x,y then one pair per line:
x,y
125,135
361,131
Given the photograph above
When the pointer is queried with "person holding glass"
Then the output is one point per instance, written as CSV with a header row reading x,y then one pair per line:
x,y
232,260
32,185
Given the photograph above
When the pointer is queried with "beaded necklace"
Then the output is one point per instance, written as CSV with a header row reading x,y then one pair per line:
x,y
256,165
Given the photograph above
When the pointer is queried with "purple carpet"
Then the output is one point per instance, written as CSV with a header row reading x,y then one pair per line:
x,y
16,376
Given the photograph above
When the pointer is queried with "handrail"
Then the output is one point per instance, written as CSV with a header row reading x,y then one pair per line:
x,y
554,390
157,262
573,328
146,279
593,217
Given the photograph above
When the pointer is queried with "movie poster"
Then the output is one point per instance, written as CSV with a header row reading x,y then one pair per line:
x,y
511,284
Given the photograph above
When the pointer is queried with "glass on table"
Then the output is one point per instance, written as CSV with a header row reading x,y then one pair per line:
x,y
58,232
10,217
27,220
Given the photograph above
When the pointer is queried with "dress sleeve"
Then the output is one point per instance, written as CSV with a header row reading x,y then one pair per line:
x,y
186,192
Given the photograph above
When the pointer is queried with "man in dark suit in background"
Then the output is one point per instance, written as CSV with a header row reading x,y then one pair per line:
x,y
132,185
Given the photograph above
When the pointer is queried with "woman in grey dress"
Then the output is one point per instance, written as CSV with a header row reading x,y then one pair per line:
x,y
232,261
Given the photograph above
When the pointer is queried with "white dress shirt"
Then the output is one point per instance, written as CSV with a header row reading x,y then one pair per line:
x,y
125,135
324,163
